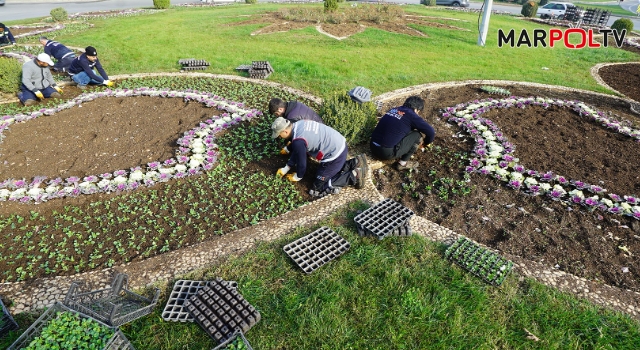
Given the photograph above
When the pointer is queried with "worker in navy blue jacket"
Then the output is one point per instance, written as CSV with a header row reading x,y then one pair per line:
x,y
292,111
81,69
6,38
399,133
63,55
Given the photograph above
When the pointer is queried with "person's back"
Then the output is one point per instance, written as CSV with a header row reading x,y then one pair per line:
x,y
56,50
323,142
293,111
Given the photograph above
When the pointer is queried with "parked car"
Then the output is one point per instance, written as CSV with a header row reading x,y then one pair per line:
x,y
1,2
454,3
554,9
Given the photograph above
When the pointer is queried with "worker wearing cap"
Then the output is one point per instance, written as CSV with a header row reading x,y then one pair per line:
x,y
37,81
81,69
6,38
63,55
292,111
329,147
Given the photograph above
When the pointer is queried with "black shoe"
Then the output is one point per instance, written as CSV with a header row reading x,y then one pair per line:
x,y
362,162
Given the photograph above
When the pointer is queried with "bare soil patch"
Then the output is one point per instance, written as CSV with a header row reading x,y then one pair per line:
x,y
624,78
20,31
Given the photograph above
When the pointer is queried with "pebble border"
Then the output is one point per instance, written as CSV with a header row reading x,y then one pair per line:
x,y
595,73
43,292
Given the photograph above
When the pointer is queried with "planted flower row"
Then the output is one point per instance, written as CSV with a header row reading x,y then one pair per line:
x,y
197,151
480,261
111,13
494,155
37,30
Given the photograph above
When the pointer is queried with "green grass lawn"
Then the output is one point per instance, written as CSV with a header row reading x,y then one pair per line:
x,y
615,9
305,59
398,293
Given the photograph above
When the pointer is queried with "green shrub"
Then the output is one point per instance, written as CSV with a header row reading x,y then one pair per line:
x,y
330,5
59,14
543,2
428,2
622,23
529,9
353,120
161,4
10,75
251,1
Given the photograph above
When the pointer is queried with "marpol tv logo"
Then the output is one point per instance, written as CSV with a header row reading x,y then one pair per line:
x,y
571,38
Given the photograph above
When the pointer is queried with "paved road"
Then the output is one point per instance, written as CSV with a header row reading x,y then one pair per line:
x,y
30,9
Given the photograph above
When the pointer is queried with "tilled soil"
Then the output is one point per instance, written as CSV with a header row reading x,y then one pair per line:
x,y
594,245
624,78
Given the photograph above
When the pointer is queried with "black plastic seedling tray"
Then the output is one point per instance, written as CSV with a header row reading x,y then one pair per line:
x,y
387,218
7,323
316,249
221,311
182,291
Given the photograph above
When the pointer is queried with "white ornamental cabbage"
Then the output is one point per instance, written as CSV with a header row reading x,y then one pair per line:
x,y
530,181
194,163
136,175
181,168
4,193
545,186
577,193
119,180
198,157
516,176
34,192
52,189
166,170
607,201
626,207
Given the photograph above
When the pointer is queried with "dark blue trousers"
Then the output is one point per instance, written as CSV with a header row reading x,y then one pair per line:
x,y
335,174
26,94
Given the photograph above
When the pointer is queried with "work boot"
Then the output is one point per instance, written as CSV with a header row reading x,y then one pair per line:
x,y
360,178
30,102
82,87
411,165
361,161
55,95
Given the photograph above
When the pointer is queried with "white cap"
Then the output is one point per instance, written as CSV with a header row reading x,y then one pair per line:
x,y
43,57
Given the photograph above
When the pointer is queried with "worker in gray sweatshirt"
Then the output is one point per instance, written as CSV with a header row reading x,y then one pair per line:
x,y
37,81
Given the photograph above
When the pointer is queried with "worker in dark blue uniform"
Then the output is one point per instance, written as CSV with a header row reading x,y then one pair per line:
x,y
63,55
81,70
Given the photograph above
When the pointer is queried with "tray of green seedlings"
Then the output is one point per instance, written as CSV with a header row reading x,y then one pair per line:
x,y
62,328
482,262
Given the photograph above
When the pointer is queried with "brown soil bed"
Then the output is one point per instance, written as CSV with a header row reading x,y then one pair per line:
x,y
400,25
624,78
20,31
594,245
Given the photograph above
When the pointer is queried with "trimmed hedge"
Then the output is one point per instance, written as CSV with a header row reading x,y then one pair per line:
x,y
10,75
161,4
353,120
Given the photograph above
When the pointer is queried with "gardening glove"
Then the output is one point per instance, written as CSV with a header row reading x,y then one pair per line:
x,y
285,150
58,89
282,171
108,83
293,177
39,95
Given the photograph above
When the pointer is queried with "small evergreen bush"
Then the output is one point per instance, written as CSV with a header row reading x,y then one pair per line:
x,y
622,23
59,14
543,2
161,4
330,5
10,75
428,2
353,120
529,9
250,1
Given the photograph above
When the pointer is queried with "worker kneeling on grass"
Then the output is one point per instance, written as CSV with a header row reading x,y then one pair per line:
x,y
329,147
81,70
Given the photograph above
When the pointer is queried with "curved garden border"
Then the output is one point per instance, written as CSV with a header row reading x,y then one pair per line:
x,y
44,291
595,74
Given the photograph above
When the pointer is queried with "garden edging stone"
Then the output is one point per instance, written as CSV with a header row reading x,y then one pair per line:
x,y
43,292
